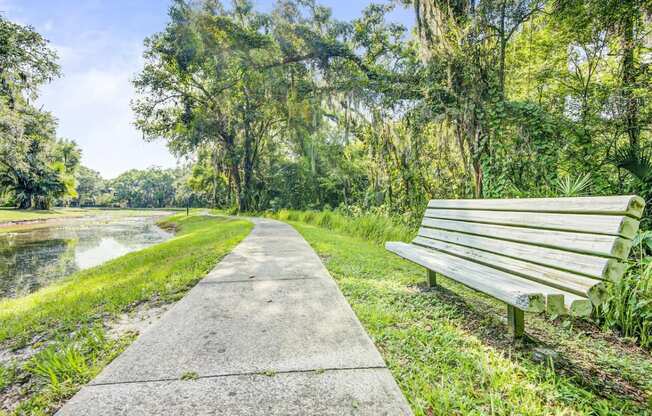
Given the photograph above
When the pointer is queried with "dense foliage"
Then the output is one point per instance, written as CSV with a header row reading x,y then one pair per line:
x,y
293,109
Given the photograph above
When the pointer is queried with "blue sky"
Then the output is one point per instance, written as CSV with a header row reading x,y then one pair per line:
x,y
99,43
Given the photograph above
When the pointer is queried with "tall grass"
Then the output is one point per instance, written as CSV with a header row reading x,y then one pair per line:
x,y
71,360
373,227
7,375
57,371
628,308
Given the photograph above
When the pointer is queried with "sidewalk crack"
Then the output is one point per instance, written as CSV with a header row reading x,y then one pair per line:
x,y
247,373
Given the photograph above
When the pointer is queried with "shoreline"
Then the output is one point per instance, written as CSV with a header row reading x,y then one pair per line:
x,y
24,224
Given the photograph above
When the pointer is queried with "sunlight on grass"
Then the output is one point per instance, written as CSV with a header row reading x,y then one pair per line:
x,y
64,322
443,367
163,270
371,227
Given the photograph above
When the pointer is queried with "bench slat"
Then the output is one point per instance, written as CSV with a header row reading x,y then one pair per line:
x,y
594,224
592,266
573,283
595,244
609,205
509,288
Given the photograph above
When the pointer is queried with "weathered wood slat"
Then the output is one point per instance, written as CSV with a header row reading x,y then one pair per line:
x,y
568,304
511,289
609,205
569,282
594,224
595,244
595,267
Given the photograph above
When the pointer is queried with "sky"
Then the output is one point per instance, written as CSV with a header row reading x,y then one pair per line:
x,y
100,45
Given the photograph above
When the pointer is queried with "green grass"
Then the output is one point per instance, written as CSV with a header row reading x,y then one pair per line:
x,y
377,228
449,350
628,306
65,321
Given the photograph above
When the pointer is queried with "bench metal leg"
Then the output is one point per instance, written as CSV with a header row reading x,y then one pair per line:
x,y
431,278
515,321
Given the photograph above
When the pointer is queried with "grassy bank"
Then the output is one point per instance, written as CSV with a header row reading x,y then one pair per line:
x,y
59,334
17,218
13,220
450,353
14,215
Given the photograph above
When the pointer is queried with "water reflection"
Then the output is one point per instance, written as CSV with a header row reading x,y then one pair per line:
x,y
34,258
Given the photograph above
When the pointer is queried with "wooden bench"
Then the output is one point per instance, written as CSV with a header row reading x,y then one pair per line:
x,y
533,254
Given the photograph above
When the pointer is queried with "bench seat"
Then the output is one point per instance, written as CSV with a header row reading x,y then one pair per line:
x,y
554,254
512,289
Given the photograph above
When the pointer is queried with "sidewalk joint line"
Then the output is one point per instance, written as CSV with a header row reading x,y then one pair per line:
x,y
250,373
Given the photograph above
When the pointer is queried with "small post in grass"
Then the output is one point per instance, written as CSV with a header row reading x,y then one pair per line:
x,y
432,278
188,206
515,321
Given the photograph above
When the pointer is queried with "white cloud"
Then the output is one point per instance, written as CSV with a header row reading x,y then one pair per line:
x,y
48,25
92,104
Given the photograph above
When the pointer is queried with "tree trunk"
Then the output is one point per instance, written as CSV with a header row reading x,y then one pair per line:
x,y
503,46
42,203
630,107
477,178
248,173
25,203
235,174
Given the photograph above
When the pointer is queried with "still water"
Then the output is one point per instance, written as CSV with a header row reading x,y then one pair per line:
x,y
34,258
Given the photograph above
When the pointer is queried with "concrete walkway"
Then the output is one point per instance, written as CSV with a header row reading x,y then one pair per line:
x,y
267,332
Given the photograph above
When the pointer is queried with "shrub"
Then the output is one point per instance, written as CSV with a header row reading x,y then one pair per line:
x,y
369,226
628,308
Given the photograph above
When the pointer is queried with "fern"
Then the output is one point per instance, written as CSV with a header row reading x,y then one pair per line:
x,y
567,186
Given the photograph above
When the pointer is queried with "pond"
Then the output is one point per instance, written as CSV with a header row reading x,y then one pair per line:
x,y
36,257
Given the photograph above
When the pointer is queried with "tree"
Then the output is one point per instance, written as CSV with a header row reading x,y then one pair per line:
x,y
90,187
626,21
26,62
34,167
294,109
31,167
150,188
229,79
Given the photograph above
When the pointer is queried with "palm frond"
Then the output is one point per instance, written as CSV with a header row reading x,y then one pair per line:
x,y
635,160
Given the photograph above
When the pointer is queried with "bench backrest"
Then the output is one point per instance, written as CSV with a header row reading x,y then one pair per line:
x,y
568,243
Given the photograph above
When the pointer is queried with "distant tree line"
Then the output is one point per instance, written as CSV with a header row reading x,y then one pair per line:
x,y
148,188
